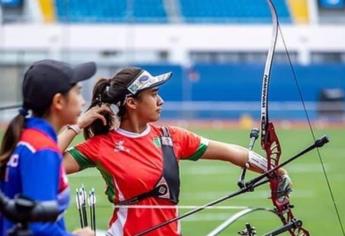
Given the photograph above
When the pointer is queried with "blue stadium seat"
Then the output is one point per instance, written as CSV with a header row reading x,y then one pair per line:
x,y
215,11
149,11
332,4
71,11
11,3
104,11
153,11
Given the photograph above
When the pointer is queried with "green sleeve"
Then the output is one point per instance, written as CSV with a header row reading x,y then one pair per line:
x,y
200,150
82,160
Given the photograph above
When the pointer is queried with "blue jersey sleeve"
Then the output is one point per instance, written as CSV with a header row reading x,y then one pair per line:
x,y
40,180
40,175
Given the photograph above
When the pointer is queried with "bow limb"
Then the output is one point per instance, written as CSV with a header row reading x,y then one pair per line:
x,y
267,75
269,139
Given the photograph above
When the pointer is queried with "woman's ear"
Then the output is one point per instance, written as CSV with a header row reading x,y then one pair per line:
x,y
58,102
131,103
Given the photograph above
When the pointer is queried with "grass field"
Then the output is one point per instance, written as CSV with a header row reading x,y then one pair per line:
x,y
204,181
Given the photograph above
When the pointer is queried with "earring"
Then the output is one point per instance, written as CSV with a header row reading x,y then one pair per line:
x,y
99,100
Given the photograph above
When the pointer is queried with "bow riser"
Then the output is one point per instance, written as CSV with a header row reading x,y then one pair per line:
x,y
282,204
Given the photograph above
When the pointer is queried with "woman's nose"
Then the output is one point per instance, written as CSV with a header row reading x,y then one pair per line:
x,y
82,101
160,100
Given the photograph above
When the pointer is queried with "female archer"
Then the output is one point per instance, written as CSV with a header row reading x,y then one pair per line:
x,y
31,162
139,160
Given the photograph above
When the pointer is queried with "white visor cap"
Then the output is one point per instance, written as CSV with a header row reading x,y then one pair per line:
x,y
145,80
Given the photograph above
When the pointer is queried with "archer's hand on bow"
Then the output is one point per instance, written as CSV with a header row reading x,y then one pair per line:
x,y
284,186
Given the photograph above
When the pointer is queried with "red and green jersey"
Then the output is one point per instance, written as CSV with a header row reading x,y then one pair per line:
x,y
131,164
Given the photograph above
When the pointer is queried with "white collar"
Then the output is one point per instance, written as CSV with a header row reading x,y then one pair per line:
x,y
132,134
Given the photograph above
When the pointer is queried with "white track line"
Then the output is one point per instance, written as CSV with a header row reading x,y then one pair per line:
x,y
159,207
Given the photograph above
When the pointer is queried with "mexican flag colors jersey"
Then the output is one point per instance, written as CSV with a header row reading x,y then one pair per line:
x,y
131,164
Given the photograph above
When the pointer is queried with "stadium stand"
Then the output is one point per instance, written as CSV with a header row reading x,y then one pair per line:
x,y
154,11
71,11
299,11
215,61
11,3
149,11
332,4
230,11
110,11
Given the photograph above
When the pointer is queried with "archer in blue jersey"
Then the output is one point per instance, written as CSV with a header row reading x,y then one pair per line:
x,y
31,162
35,171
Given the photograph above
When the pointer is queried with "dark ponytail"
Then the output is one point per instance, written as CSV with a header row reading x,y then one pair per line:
x,y
111,91
97,127
9,141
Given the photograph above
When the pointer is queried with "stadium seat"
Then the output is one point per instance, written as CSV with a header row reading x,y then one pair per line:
x,y
11,3
214,11
154,11
149,11
75,11
332,4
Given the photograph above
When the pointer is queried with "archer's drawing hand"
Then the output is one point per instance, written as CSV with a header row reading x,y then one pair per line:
x,y
93,114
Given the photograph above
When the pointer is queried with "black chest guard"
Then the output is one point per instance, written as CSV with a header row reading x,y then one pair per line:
x,y
168,185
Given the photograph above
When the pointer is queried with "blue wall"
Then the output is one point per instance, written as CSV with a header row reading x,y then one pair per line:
x,y
242,82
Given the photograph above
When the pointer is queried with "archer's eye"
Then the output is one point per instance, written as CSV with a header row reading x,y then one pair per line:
x,y
155,93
